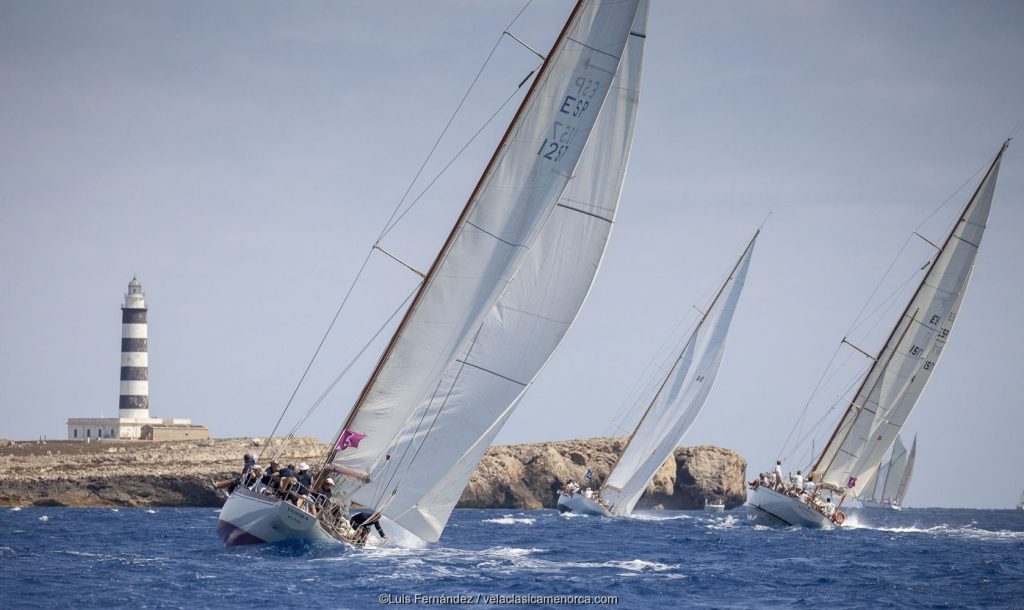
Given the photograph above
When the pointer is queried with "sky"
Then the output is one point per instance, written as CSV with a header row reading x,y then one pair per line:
x,y
242,157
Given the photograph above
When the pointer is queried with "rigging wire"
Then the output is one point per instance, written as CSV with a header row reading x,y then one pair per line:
x,y
860,319
392,221
345,370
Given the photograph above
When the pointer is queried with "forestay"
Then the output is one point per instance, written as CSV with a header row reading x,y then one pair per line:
x,y
904,365
481,388
679,399
502,220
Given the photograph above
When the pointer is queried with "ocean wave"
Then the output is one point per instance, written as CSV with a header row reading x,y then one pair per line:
x,y
510,520
15,509
728,523
658,517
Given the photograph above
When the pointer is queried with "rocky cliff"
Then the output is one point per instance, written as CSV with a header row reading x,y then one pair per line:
x,y
528,476
114,473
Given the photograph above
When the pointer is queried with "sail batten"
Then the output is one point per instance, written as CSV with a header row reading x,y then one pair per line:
x,y
896,380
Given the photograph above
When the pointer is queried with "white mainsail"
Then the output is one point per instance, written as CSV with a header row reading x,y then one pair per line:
x,y
908,471
898,376
897,466
513,202
482,387
679,399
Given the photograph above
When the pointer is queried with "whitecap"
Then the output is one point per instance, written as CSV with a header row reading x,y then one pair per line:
x,y
15,509
151,511
727,523
658,517
510,520
44,518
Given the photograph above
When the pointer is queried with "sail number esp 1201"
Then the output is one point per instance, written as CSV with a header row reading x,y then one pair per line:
x,y
564,134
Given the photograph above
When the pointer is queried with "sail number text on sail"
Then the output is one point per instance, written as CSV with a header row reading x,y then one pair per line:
x,y
564,134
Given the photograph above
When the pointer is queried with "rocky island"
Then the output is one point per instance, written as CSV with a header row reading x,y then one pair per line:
x,y
125,473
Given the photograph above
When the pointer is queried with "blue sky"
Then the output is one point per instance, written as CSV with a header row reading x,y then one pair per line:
x,y
242,157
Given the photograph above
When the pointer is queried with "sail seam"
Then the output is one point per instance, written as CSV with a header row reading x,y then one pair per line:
x,y
483,230
969,243
534,315
575,209
480,368
638,34
595,50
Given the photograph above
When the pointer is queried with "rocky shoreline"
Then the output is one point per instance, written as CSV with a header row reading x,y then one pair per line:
x,y
152,474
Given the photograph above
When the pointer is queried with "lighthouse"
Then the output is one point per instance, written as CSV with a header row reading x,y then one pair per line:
x,y
133,421
134,400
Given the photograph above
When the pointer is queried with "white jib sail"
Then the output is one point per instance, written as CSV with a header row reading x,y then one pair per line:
x,y
908,472
903,367
872,486
679,400
897,466
481,388
506,213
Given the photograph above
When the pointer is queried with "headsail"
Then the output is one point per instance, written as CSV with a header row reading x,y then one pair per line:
x,y
895,381
679,399
895,472
481,388
901,490
500,225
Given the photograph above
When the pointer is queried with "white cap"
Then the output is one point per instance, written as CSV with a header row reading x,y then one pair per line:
x,y
329,481
303,466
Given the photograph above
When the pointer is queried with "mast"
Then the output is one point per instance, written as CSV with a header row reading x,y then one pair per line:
x,y
946,281
494,236
459,223
689,340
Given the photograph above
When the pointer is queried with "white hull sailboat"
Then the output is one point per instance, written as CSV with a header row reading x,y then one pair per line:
x,y
495,303
892,479
579,504
253,518
769,507
674,407
892,385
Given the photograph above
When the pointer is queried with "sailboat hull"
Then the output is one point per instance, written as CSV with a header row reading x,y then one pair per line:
x,y
252,518
771,508
581,505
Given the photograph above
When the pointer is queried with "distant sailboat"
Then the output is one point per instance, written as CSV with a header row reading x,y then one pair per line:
x,y
1020,503
888,485
892,385
674,407
495,303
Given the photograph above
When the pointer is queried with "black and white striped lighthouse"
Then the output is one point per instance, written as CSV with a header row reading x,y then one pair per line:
x,y
134,402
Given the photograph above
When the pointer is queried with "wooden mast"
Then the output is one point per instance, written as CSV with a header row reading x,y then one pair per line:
x,y
849,410
429,276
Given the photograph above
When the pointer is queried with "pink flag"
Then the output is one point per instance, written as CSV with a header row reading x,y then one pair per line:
x,y
851,483
348,439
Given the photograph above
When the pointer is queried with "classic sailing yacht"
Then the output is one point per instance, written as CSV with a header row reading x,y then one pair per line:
x,y
892,385
673,409
889,483
496,302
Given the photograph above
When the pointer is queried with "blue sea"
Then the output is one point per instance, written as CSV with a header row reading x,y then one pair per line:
x,y
172,558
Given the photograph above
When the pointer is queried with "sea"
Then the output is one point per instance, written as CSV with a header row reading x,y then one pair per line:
x,y
172,558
